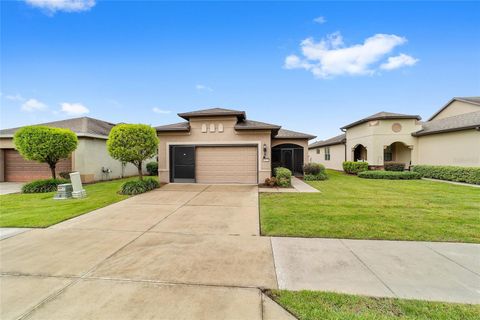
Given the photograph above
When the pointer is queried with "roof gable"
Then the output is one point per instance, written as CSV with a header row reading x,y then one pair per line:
x,y
459,122
213,112
470,100
382,116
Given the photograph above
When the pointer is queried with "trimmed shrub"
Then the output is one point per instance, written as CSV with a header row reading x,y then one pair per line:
x,y
313,168
42,186
284,177
354,167
315,177
394,166
389,175
139,186
450,173
152,168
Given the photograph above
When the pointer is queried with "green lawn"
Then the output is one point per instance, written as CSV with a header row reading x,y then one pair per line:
x,y
316,305
40,210
350,207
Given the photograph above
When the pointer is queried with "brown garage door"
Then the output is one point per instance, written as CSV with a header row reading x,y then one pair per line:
x,y
20,170
226,165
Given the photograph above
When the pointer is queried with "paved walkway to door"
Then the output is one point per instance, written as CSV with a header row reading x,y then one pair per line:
x,y
185,251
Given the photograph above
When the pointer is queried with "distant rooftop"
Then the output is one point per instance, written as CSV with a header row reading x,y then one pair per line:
x,y
382,116
340,139
455,123
85,126
213,112
471,100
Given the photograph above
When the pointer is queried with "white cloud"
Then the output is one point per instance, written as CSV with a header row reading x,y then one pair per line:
x,y
330,56
160,111
34,105
402,60
15,97
74,109
52,6
202,87
320,20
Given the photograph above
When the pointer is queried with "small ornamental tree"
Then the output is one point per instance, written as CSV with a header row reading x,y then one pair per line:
x,y
133,143
45,144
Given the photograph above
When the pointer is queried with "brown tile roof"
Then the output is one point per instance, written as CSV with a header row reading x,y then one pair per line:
x,y
81,126
472,100
455,123
288,134
213,112
181,126
255,125
340,139
382,116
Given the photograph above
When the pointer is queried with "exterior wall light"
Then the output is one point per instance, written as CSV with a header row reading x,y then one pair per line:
x,y
265,151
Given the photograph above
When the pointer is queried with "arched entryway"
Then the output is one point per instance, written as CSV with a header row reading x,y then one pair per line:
x,y
398,152
289,156
359,153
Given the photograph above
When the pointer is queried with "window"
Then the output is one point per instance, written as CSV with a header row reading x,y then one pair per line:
x,y
318,150
388,154
220,127
327,153
204,128
212,127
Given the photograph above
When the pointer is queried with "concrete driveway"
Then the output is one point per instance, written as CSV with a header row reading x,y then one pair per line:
x,y
180,252
10,187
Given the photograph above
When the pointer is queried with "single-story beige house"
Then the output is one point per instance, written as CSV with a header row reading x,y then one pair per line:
x,y
450,137
91,157
222,146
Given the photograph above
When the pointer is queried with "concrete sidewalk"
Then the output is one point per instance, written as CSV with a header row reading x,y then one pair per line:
x,y
404,269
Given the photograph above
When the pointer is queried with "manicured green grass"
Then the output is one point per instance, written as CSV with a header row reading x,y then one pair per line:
x,y
40,210
350,207
316,305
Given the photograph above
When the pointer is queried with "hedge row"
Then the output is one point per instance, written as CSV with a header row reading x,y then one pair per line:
x,y
139,186
394,166
41,186
389,175
450,173
354,167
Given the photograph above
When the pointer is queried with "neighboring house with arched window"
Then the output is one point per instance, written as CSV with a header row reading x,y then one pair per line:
x,y
450,137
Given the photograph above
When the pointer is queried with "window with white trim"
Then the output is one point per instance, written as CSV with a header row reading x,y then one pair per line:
x,y
327,153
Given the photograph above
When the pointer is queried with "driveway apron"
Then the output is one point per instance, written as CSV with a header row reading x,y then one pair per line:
x,y
184,251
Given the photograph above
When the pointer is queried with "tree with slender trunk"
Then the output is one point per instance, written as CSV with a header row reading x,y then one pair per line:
x,y
133,143
45,144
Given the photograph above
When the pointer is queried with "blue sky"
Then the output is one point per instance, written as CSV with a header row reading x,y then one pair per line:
x,y
310,67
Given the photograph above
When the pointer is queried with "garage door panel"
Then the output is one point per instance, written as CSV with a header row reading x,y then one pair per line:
x,y
17,169
226,165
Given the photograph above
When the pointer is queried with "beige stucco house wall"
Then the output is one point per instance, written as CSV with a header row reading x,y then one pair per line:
x,y
229,137
337,156
92,154
460,148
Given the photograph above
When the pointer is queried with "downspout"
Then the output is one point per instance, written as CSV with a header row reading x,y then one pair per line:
x,y
345,144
